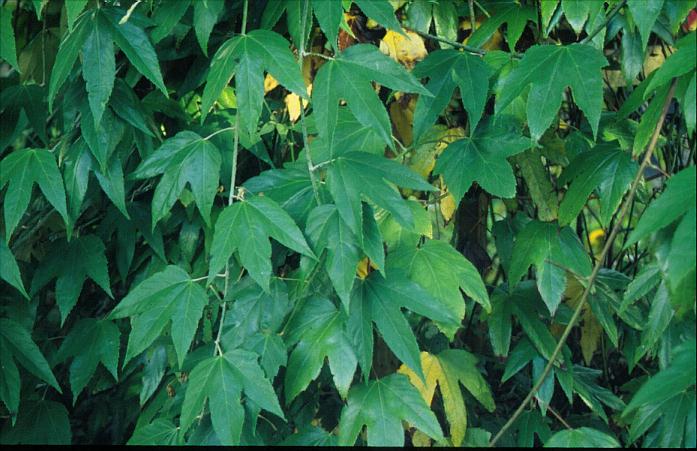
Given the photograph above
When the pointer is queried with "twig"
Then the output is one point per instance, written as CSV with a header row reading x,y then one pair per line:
x,y
464,47
596,269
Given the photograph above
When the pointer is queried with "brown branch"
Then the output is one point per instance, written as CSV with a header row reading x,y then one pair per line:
x,y
596,269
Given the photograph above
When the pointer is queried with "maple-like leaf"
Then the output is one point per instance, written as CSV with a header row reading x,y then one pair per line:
x,y
348,76
442,271
448,370
355,175
379,300
246,227
381,405
606,168
71,263
90,342
221,380
167,296
319,331
481,158
551,250
22,168
447,69
246,57
183,159
550,69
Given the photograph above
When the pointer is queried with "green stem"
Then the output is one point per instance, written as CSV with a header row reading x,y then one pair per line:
x,y
600,27
596,269
303,126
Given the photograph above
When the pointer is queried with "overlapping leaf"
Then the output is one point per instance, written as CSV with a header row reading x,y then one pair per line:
x,y
448,370
169,296
183,159
379,300
21,169
552,250
347,77
221,380
481,158
318,332
447,69
245,227
550,69
442,271
71,263
381,405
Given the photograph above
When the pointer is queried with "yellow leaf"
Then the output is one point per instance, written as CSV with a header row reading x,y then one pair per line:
x,y
270,83
447,206
227,98
421,440
404,49
292,102
453,403
364,267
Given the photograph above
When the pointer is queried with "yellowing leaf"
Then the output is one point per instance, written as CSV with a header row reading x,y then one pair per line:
x,y
447,370
494,41
404,49
364,267
591,330
227,98
447,206
402,115
270,83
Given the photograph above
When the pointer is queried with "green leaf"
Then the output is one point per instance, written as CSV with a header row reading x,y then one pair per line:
x,y
350,174
290,187
551,250
71,263
9,271
605,168
550,69
221,380
263,49
318,332
347,77
442,272
583,437
73,9
98,67
246,227
326,230
206,15
379,300
644,14
678,197
65,58
10,381
678,376
17,340
8,50
514,15
381,11
184,159
160,432
447,69
90,342
381,405
329,14
102,137
21,169
39,423
134,42
481,158
167,295
681,62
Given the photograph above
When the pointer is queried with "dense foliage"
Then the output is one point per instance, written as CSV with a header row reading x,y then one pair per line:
x,y
427,222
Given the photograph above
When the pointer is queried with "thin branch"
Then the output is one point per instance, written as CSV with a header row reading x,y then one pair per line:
x,y
596,269
464,47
